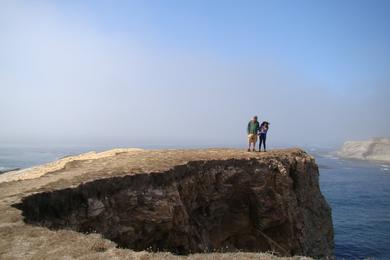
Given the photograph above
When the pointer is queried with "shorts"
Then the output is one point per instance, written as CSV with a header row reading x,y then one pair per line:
x,y
252,138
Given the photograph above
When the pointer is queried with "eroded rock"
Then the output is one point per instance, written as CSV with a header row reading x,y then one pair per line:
x,y
259,203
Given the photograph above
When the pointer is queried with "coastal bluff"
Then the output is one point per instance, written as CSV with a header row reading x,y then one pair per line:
x,y
167,204
375,149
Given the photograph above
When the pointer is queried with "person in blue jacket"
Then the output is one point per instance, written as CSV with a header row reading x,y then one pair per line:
x,y
263,134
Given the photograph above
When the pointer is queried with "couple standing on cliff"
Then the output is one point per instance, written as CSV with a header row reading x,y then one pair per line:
x,y
254,129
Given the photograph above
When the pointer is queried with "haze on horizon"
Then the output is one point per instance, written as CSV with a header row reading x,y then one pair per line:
x,y
194,72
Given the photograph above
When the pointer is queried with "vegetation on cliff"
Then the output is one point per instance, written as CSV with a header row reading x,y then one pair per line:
x,y
182,201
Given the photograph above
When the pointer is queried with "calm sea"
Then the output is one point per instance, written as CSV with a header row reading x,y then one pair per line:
x,y
358,192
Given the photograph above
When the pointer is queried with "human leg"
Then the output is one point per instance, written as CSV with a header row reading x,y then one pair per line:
x,y
252,139
250,142
260,141
264,137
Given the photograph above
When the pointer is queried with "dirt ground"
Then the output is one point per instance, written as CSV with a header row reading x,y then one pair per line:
x,y
19,240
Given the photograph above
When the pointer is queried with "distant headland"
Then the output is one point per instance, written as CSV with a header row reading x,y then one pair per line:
x,y
375,149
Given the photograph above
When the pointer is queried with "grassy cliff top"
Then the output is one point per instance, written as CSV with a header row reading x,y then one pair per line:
x,y
22,241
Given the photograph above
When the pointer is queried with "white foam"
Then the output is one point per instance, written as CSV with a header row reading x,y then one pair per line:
x,y
330,156
385,167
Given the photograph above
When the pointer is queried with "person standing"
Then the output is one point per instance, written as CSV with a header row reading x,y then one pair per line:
x,y
252,129
263,134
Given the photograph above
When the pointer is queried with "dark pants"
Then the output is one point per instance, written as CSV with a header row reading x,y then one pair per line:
x,y
262,140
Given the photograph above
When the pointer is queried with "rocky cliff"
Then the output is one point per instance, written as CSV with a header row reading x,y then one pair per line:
x,y
181,201
376,149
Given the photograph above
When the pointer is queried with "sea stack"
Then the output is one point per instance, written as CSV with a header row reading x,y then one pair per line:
x,y
180,201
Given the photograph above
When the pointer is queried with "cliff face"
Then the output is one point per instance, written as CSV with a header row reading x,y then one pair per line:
x,y
190,201
377,149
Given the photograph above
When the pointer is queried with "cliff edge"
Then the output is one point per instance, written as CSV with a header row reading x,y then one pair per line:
x,y
376,149
137,203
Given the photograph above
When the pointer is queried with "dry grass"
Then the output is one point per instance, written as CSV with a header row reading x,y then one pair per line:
x,y
21,241
40,170
41,243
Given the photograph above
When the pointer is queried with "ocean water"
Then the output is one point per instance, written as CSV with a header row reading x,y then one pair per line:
x,y
20,156
358,192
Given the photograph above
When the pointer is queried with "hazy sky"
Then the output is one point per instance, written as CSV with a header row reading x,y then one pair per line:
x,y
194,72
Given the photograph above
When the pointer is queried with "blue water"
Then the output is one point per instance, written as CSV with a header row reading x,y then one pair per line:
x,y
16,156
358,192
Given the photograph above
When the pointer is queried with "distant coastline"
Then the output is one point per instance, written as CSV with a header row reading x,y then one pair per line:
x,y
375,149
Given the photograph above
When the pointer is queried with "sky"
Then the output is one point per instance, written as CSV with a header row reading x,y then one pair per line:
x,y
193,73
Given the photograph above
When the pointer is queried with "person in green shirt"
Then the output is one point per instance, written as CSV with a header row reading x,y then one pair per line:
x,y
252,130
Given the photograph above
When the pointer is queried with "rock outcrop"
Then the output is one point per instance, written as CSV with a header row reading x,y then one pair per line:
x,y
376,149
182,201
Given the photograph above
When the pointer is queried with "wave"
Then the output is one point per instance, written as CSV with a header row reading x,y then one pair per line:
x,y
7,169
331,156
